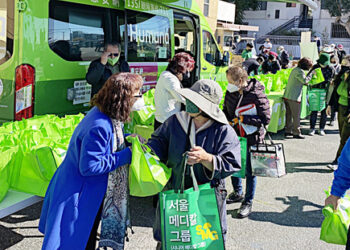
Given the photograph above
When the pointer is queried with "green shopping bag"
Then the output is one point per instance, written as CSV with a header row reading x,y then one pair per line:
x,y
144,131
5,162
145,116
46,162
335,225
147,175
317,99
317,77
241,173
190,218
148,97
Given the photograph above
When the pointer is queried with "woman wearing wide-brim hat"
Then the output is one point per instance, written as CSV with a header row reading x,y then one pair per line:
x,y
214,148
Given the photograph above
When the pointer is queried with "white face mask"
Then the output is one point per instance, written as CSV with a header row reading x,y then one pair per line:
x,y
232,88
138,105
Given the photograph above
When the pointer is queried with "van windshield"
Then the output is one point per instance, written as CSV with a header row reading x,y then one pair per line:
x,y
6,29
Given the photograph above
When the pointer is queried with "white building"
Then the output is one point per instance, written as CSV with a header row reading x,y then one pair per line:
x,y
283,19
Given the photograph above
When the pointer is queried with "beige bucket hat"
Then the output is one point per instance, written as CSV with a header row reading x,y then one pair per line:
x,y
206,95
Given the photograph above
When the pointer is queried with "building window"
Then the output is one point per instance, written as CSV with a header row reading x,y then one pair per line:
x,y
323,5
338,31
291,5
206,8
262,5
277,14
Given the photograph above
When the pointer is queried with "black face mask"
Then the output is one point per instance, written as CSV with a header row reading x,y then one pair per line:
x,y
186,76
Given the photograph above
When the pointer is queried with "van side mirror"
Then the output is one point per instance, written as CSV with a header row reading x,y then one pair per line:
x,y
225,58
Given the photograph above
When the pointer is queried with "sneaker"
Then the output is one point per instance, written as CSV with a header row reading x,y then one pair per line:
x,y
244,210
233,197
312,132
322,133
333,166
298,136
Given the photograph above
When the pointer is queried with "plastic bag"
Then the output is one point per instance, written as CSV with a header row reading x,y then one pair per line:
x,y
335,225
147,175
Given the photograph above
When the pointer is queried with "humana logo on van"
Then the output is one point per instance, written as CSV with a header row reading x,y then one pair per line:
x,y
147,36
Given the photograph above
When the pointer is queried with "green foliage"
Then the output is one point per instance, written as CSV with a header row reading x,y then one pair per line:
x,y
337,8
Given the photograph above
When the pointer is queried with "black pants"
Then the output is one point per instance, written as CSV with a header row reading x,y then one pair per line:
x,y
91,245
313,119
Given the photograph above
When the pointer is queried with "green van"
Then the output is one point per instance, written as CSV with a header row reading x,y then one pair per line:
x,y
46,47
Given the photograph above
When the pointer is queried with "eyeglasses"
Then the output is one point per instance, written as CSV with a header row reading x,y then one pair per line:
x,y
113,54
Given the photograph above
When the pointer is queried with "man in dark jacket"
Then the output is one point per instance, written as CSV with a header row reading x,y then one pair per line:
x,y
271,65
284,56
101,69
252,65
241,92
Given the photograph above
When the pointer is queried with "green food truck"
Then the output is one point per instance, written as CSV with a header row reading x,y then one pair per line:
x,y
46,47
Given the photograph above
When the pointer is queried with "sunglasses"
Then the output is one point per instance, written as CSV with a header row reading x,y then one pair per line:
x,y
113,54
138,96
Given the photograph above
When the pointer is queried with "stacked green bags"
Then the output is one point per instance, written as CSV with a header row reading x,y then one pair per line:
x,y
31,150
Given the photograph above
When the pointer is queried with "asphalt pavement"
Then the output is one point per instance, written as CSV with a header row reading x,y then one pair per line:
x,y
287,212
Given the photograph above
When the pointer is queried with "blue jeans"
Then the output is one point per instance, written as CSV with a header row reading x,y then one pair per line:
x,y
250,183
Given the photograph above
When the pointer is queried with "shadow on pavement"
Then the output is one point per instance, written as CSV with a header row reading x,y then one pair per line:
x,y
293,216
8,237
142,212
295,167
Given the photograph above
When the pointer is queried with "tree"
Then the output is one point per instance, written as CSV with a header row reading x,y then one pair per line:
x,y
241,6
339,9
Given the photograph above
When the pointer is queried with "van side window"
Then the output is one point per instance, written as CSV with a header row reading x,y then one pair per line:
x,y
210,50
78,32
148,37
6,29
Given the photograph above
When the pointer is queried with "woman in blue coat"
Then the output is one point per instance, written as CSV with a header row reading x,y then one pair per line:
x,y
69,214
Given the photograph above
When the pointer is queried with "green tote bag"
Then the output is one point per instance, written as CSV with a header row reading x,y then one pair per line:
x,y
317,99
335,225
147,175
190,218
241,173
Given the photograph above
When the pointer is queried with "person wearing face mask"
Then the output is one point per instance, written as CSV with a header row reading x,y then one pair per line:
x,y
341,101
95,166
271,65
247,53
324,62
292,97
213,146
166,97
102,68
242,92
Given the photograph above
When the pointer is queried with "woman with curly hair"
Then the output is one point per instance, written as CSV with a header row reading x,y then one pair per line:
x,y
167,100
96,158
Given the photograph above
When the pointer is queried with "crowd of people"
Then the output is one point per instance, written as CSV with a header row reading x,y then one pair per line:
x,y
334,65
91,183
